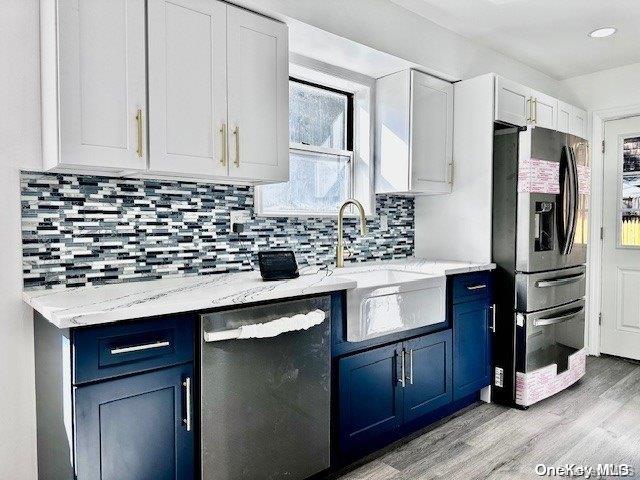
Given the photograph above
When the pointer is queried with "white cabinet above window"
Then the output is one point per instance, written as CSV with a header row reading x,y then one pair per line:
x,y
217,92
414,134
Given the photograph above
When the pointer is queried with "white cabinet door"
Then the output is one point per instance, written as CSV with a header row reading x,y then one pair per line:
x,y
258,79
513,102
545,110
564,117
579,122
431,143
392,157
102,84
187,87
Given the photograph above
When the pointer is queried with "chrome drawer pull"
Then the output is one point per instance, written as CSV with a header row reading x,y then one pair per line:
x,y
187,386
477,287
560,281
402,380
411,366
540,322
493,318
137,348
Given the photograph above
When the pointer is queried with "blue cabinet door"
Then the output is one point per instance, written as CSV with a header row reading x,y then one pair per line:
x,y
428,363
471,347
134,428
370,402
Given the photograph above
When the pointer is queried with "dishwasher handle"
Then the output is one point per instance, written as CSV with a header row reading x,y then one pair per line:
x,y
302,321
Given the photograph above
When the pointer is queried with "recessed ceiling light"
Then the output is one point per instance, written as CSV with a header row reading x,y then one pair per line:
x,y
603,32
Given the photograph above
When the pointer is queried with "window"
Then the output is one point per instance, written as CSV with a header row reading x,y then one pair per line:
x,y
630,213
321,160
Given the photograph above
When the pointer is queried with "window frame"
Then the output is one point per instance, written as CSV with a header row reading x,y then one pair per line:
x,y
359,90
622,138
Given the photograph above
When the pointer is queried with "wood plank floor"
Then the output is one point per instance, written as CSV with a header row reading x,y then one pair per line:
x,y
595,421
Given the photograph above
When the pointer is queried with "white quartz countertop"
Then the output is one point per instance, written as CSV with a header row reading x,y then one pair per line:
x,y
92,305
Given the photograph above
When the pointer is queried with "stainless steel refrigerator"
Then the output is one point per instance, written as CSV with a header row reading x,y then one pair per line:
x,y
540,213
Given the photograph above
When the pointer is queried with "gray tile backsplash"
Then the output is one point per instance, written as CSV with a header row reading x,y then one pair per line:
x,y
81,230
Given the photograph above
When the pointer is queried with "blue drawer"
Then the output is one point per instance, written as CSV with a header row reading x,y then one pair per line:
x,y
472,286
123,348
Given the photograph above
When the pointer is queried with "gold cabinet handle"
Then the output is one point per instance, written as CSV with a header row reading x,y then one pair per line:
x,y
236,133
535,110
139,132
223,137
529,108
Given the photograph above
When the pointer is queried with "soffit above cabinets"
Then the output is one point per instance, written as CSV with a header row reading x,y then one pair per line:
x,y
331,49
548,35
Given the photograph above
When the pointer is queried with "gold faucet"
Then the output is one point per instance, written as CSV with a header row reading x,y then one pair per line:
x,y
363,228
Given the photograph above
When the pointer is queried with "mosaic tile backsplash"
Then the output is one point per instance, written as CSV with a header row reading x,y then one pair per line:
x,y
88,230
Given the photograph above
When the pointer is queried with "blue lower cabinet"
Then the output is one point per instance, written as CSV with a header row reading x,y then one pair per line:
x,y
472,340
428,364
370,402
135,428
375,403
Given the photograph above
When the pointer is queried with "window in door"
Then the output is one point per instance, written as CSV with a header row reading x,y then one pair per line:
x,y
630,208
321,166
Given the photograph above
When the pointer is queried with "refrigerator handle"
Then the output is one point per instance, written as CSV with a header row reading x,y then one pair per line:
x,y
574,168
568,211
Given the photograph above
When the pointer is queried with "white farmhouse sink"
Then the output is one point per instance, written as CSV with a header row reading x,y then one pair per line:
x,y
389,301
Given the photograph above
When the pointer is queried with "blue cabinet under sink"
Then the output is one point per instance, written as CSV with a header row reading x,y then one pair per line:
x,y
375,401
370,401
428,362
443,368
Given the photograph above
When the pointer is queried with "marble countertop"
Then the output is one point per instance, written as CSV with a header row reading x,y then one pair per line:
x,y
92,305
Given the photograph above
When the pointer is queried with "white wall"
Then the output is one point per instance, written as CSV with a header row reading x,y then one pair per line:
x,y
385,26
19,148
613,88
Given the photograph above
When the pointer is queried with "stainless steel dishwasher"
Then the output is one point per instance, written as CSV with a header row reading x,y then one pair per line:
x,y
265,388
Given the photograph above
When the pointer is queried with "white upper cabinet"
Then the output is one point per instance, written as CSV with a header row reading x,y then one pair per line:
x,y
94,84
564,117
218,89
523,106
187,87
414,141
544,110
258,82
513,102
578,122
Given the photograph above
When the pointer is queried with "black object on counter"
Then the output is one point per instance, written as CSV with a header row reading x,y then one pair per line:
x,y
278,265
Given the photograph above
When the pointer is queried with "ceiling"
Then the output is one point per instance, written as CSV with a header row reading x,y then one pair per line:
x,y
549,35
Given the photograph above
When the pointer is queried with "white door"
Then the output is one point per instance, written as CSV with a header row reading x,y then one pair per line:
x,y
258,79
102,75
578,122
545,110
564,117
431,134
513,102
620,330
188,87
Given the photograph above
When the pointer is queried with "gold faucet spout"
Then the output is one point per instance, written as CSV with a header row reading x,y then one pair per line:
x,y
363,228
